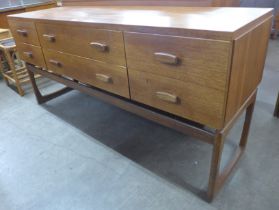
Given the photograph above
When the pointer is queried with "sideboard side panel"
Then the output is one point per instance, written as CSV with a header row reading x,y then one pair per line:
x,y
247,66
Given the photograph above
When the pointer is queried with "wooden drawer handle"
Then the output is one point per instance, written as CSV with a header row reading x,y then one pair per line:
x,y
50,38
28,54
22,32
99,46
166,58
103,78
56,63
167,97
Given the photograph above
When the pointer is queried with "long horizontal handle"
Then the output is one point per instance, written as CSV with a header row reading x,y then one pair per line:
x,y
166,58
99,46
167,97
28,54
56,63
22,32
103,78
50,38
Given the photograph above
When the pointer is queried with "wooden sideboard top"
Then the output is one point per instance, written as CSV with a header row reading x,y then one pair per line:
x,y
201,22
185,3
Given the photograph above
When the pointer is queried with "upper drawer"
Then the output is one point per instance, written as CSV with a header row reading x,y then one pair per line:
x,y
108,77
102,45
204,62
24,31
31,54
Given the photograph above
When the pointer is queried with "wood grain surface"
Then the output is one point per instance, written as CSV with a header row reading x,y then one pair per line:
x,y
204,62
207,3
78,40
205,76
89,71
31,54
193,102
30,36
200,22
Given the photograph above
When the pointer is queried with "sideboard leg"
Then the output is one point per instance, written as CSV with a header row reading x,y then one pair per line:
x,y
276,111
44,98
215,165
246,125
216,178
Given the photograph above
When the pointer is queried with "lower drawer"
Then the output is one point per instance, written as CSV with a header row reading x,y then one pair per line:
x,y
104,76
187,100
31,54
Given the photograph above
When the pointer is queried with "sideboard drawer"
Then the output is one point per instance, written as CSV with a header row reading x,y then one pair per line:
x,y
102,45
201,61
188,100
24,31
111,78
31,54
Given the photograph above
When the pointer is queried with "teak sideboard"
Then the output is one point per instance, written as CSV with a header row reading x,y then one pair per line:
x,y
195,70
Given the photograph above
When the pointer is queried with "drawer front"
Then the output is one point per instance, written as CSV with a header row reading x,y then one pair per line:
x,y
204,62
187,100
102,45
24,31
31,54
108,77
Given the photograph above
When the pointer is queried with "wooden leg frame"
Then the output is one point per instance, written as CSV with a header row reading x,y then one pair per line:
x,y
44,98
217,178
216,138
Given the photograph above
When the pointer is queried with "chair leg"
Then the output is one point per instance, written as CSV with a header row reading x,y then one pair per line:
x,y
2,71
6,81
4,78
216,178
13,69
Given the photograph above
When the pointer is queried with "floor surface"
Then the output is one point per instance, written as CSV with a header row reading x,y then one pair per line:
x,y
77,153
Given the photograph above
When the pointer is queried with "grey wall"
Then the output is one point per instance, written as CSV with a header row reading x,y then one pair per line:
x,y
259,3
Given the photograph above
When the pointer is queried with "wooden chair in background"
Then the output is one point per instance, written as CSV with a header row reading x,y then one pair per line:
x,y
5,33
12,68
